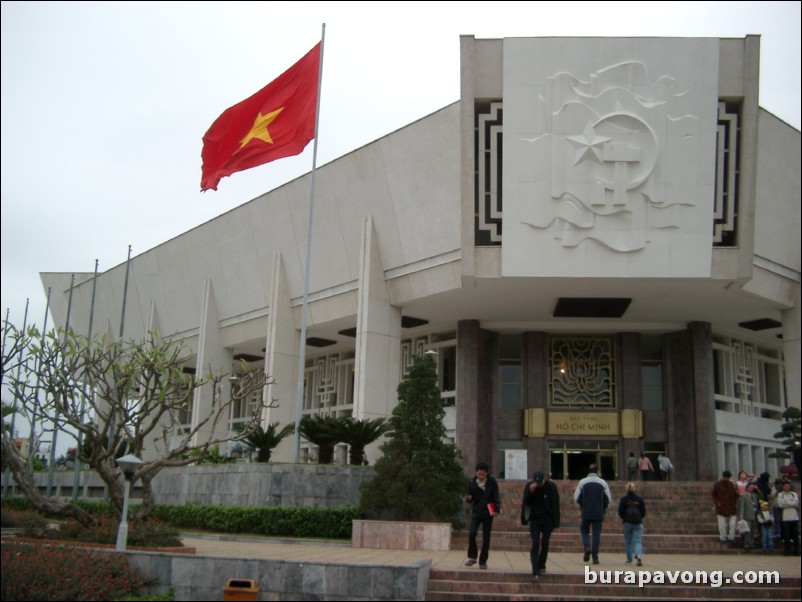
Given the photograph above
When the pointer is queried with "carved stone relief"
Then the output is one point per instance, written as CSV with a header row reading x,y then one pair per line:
x,y
606,144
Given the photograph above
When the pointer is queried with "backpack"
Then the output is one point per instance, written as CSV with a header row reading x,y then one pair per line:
x,y
632,513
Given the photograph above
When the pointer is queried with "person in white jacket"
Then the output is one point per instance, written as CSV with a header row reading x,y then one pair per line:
x,y
788,502
665,466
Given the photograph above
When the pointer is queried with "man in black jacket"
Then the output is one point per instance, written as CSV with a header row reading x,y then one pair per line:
x,y
593,496
483,495
540,508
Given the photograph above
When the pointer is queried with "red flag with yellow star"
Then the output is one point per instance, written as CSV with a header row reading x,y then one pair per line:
x,y
278,121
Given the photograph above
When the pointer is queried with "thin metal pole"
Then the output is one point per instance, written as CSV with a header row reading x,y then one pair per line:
x,y
52,460
125,290
38,365
76,481
122,325
5,334
299,405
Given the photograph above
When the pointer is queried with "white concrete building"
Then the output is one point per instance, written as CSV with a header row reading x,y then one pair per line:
x,y
601,240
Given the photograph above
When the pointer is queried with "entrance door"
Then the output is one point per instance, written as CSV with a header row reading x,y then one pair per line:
x,y
607,465
571,460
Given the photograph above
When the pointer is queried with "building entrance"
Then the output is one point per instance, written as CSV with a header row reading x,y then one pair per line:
x,y
570,460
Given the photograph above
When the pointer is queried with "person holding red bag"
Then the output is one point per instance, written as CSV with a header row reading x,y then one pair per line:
x,y
485,499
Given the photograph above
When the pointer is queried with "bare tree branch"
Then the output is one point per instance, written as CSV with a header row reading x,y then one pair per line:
x,y
127,397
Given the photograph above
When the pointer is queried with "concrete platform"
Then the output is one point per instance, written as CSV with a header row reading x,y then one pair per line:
x,y
504,561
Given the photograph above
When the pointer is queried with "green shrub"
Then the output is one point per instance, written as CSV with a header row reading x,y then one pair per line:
x,y
299,521
93,507
16,502
152,533
161,528
30,522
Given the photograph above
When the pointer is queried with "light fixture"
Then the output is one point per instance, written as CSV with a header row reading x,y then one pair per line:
x,y
431,353
233,378
128,464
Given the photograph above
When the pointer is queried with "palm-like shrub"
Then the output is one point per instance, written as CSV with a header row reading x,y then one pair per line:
x,y
264,441
358,434
322,431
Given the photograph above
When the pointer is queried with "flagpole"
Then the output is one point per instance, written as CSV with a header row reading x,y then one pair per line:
x,y
52,459
76,480
299,393
125,291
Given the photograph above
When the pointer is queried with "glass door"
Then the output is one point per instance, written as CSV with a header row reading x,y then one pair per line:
x,y
570,460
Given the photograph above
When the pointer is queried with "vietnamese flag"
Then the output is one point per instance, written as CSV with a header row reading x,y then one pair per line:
x,y
278,121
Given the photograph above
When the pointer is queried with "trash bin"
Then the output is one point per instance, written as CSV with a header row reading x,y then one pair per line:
x,y
241,589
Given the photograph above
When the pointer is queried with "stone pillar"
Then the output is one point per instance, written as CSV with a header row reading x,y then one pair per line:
x,y
792,351
679,397
477,407
704,399
535,372
630,394
691,402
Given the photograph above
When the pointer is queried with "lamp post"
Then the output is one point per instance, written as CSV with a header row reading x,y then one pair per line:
x,y
128,464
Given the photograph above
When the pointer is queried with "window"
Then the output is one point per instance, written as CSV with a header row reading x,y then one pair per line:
x,y
509,378
509,372
652,385
582,372
748,378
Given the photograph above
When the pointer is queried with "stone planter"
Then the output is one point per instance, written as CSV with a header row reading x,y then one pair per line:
x,y
400,535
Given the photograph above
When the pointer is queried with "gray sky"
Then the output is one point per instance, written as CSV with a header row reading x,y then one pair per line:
x,y
104,104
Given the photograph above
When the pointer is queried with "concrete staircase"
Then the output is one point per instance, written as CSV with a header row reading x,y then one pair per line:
x,y
492,585
679,519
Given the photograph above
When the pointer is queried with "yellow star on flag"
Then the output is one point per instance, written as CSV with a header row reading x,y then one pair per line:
x,y
259,129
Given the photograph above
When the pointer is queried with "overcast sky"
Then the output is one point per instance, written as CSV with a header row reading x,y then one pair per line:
x,y
104,103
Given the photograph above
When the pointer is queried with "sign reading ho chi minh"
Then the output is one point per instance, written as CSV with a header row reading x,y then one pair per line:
x,y
573,423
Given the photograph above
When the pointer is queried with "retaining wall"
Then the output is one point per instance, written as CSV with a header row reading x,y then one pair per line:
x,y
255,484
203,578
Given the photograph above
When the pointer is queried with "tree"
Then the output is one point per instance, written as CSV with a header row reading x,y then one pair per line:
x,y
790,435
322,431
418,476
358,434
121,396
7,411
264,441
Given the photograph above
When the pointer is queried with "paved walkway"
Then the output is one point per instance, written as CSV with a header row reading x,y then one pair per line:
x,y
518,562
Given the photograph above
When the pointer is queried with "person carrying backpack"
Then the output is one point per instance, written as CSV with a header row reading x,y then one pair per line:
x,y
632,509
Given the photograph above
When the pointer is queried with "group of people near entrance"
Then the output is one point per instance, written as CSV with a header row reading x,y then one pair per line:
x,y
757,511
540,509
755,503
643,466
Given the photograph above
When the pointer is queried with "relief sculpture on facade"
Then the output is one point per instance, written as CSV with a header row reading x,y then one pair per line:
x,y
607,138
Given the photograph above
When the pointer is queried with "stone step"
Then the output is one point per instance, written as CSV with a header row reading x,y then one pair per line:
x,y
607,549
680,519
668,520
680,492
469,585
569,541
